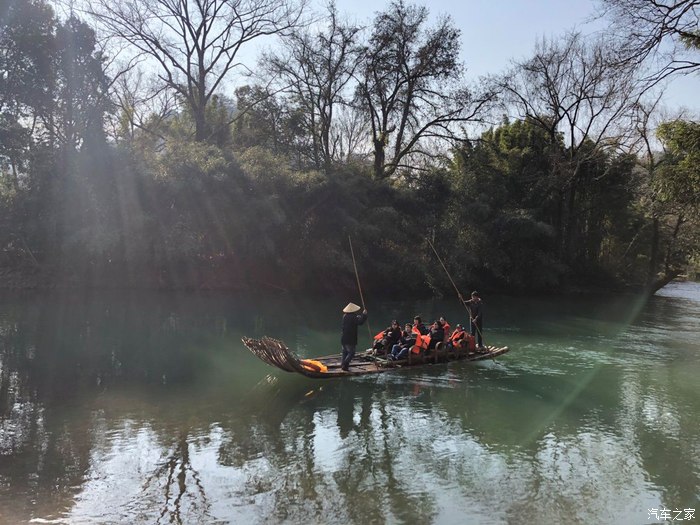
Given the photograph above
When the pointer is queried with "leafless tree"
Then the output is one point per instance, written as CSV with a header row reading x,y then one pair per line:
x,y
410,85
142,107
578,92
349,132
315,69
665,34
195,44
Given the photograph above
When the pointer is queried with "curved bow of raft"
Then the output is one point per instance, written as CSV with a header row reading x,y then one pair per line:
x,y
276,353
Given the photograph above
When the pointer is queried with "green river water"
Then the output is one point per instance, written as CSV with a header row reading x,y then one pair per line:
x,y
146,408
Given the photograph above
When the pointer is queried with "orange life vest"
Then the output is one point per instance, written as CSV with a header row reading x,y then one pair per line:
x,y
313,365
422,341
458,335
447,328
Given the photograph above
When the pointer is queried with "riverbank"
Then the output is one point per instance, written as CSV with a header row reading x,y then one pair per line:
x,y
30,279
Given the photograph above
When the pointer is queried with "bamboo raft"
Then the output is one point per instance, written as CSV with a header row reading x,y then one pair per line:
x,y
277,354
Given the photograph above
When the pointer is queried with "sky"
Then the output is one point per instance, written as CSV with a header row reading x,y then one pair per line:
x,y
495,32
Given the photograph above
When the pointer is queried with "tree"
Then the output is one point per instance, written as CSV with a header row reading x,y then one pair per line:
x,y
677,187
681,183
648,160
27,78
264,120
576,89
316,68
142,108
195,45
507,225
81,91
410,86
504,227
665,239
658,31
26,37
52,74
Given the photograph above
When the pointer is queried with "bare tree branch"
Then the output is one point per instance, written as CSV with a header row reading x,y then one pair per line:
x,y
195,45
661,34
410,84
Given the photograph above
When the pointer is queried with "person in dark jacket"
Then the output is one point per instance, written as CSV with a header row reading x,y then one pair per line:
x,y
456,338
402,347
389,337
476,317
437,334
418,325
348,340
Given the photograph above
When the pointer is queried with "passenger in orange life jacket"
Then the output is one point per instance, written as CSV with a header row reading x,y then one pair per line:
x,y
420,332
419,326
437,334
446,326
387,338
401,348
456,338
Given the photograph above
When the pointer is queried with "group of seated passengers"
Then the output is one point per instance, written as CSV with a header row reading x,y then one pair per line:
x,y
397,343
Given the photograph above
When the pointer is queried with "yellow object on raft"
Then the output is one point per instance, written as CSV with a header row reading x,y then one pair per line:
x,y
315,366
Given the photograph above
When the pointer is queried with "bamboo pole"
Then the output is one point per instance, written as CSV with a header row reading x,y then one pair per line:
x,y
459,294
359,286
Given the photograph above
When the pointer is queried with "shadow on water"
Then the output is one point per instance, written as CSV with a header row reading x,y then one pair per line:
x,y
150,402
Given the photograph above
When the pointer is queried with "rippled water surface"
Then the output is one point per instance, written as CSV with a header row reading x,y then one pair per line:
x,y
146,408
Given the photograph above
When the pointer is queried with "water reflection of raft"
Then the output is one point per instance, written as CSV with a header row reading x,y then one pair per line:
x,y
276,353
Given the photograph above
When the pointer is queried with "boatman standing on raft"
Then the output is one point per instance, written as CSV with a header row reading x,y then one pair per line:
x,y
351,320
476,317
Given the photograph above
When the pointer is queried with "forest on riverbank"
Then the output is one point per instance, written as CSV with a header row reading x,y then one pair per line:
x,y
133,153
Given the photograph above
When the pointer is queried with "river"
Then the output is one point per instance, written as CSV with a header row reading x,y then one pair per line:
x,y
146,408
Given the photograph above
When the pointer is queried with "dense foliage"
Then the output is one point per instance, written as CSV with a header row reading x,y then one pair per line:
x,y
260,187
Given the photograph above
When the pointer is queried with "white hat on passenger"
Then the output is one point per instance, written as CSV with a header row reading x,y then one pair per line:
x,y
351,308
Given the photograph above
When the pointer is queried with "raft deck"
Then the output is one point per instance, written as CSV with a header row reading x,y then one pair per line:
x,y
276,353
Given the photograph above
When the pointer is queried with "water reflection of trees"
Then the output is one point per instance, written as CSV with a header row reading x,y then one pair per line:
x,y
351,481
390,463
57,354
494,443
175,477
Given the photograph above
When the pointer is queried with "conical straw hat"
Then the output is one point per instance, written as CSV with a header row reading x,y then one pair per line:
x,y
351,308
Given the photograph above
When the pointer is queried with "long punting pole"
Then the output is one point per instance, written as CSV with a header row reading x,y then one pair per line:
x,y
359,286
459,294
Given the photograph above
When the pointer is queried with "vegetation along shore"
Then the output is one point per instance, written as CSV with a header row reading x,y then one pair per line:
x,y
135,153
